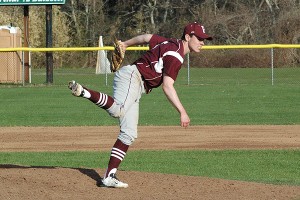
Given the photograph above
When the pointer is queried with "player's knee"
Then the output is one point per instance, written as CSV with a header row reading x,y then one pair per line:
x,y
116,110
127,137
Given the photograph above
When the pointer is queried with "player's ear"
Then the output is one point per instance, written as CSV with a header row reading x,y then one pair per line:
x,y
187,37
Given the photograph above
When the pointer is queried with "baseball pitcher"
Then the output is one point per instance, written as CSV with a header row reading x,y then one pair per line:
x,y
159,66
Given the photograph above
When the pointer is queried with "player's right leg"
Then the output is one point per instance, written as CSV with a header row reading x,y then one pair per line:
x,y
128,91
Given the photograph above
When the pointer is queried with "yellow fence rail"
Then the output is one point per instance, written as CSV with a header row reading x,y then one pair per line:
x,y
259,46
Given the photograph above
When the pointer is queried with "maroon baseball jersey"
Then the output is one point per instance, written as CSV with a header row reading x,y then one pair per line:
x,y
164,57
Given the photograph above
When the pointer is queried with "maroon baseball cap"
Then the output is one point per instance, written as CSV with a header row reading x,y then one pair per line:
x,y
197,30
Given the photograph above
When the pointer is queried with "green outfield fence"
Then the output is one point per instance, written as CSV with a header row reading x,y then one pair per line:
x,y
12,67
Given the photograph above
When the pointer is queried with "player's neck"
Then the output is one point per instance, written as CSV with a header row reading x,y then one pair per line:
x,y
186,48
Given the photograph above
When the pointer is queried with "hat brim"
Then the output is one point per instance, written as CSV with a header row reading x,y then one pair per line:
x,y
204,36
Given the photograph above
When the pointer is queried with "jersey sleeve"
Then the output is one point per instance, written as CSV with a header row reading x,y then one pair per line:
x,y
171,66
155,40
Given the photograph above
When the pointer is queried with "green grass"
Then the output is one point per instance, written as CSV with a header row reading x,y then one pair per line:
x,y
213,97
266,166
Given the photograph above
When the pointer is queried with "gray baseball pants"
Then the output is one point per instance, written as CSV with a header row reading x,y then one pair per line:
x,y
127,91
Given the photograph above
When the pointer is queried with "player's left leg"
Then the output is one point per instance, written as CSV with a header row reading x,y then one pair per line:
x,y
100,99
128,86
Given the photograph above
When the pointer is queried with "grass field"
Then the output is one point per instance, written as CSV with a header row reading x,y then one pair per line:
x,y
213,97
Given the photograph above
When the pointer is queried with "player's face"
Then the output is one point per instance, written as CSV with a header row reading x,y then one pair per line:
x,y
195,43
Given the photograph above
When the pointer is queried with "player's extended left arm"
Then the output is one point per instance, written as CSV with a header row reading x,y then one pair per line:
x,y
171,94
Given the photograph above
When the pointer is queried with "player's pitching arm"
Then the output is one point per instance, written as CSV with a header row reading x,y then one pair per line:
x,y
170,92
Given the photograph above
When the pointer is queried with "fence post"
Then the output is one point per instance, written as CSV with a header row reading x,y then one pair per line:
x,y
188,66
49,54
23,69
106,78
272,64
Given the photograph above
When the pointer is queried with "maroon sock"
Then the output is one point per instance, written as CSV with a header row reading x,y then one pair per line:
x,y
100,99
118,153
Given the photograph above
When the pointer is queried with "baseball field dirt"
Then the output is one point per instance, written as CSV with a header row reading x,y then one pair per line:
x,y
25,182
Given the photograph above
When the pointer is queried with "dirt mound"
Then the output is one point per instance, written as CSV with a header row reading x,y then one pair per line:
x,y
62,183
22,182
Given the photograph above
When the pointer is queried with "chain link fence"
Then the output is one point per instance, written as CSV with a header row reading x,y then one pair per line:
x,y
261,66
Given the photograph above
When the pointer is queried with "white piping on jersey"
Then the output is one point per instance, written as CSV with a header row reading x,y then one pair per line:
x,y
165,42
149,79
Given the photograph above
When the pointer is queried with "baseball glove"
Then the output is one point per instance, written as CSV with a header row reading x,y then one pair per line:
x,y
117,56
